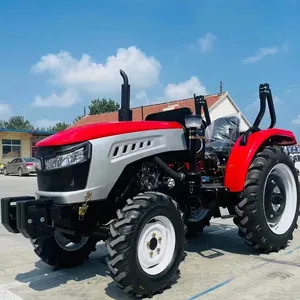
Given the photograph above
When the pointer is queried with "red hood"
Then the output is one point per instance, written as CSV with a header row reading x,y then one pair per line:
x,y
99,130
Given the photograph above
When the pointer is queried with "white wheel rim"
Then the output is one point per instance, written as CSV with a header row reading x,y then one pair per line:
x,y
284,222
67,244
155,257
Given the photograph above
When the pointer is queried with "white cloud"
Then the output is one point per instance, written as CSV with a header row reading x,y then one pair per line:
x,y
256,104
5,110
141,95
207,42
285,47
86,76
185,89
260,54
296,121
44,123
63,100
277,100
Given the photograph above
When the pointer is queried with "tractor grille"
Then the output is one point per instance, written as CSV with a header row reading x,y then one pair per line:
x,y
65,179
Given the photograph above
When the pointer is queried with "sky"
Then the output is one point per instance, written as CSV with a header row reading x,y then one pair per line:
x,y
56,56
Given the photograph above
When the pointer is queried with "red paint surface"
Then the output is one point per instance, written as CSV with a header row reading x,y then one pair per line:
x,y
241,156
101,130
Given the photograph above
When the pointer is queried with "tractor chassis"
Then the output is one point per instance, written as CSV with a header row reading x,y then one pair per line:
x,y
38,218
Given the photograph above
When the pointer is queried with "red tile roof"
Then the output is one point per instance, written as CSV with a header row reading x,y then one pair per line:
x,y
140,113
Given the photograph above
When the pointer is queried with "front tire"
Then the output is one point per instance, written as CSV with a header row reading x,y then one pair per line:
x,y
57,252
268,210
146,244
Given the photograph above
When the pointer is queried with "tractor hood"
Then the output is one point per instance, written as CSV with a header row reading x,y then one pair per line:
x,y
84,133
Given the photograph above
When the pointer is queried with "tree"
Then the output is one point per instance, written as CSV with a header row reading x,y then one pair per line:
x,y
77,119
59,126
2,124
98,106
17,123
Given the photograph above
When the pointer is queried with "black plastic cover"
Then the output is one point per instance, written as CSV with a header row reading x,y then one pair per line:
x,y
222,133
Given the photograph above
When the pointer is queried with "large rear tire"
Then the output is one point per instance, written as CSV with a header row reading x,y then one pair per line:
x,y
196,220
268,210
60,252
146,244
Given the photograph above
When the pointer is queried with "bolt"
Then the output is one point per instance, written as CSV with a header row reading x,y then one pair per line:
x,y
148,244
29,221
158,250
271,216
159,239
42,219
151,253
153,235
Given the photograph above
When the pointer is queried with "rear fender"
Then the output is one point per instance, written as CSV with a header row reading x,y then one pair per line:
x,y
241,156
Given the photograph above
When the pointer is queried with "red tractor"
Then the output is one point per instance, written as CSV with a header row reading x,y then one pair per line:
x,y
140,186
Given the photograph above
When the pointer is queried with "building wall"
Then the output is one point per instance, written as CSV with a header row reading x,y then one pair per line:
x,y
25,140
224,108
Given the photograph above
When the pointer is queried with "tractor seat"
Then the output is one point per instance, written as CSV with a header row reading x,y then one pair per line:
x,y
221,135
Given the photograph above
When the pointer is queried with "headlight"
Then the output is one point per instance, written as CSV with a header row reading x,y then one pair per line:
x,y
70,158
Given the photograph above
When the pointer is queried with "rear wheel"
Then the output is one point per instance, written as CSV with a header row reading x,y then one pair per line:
x,y
20,172
146,244
61,251
196,220
268,210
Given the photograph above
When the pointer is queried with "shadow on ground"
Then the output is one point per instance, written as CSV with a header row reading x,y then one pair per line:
x,y
43,277
216,240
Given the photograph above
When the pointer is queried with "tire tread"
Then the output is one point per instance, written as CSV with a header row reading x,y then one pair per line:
x,y
246,220
118,243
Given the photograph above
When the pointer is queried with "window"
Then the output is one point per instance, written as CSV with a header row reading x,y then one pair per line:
x,y
11,148
30,159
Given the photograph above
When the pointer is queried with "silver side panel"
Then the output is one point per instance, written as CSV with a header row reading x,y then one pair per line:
x,y
112,154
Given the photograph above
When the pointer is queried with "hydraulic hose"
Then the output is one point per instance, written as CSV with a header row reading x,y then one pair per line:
x,y
175,175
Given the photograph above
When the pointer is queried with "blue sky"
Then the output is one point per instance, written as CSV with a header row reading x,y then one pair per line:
x,y
55,56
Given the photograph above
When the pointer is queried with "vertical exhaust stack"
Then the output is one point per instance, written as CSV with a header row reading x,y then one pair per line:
x,y
125,113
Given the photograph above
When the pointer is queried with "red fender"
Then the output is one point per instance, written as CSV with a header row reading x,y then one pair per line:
x,y
241,157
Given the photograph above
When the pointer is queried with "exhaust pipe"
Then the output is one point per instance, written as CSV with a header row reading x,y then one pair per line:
x,y
125,113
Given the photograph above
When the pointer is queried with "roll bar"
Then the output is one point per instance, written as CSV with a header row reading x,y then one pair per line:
x,y
125,113
200,103
265,93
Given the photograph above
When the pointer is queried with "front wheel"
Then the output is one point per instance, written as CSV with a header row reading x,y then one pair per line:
x,y
62,251
268,210
146,244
